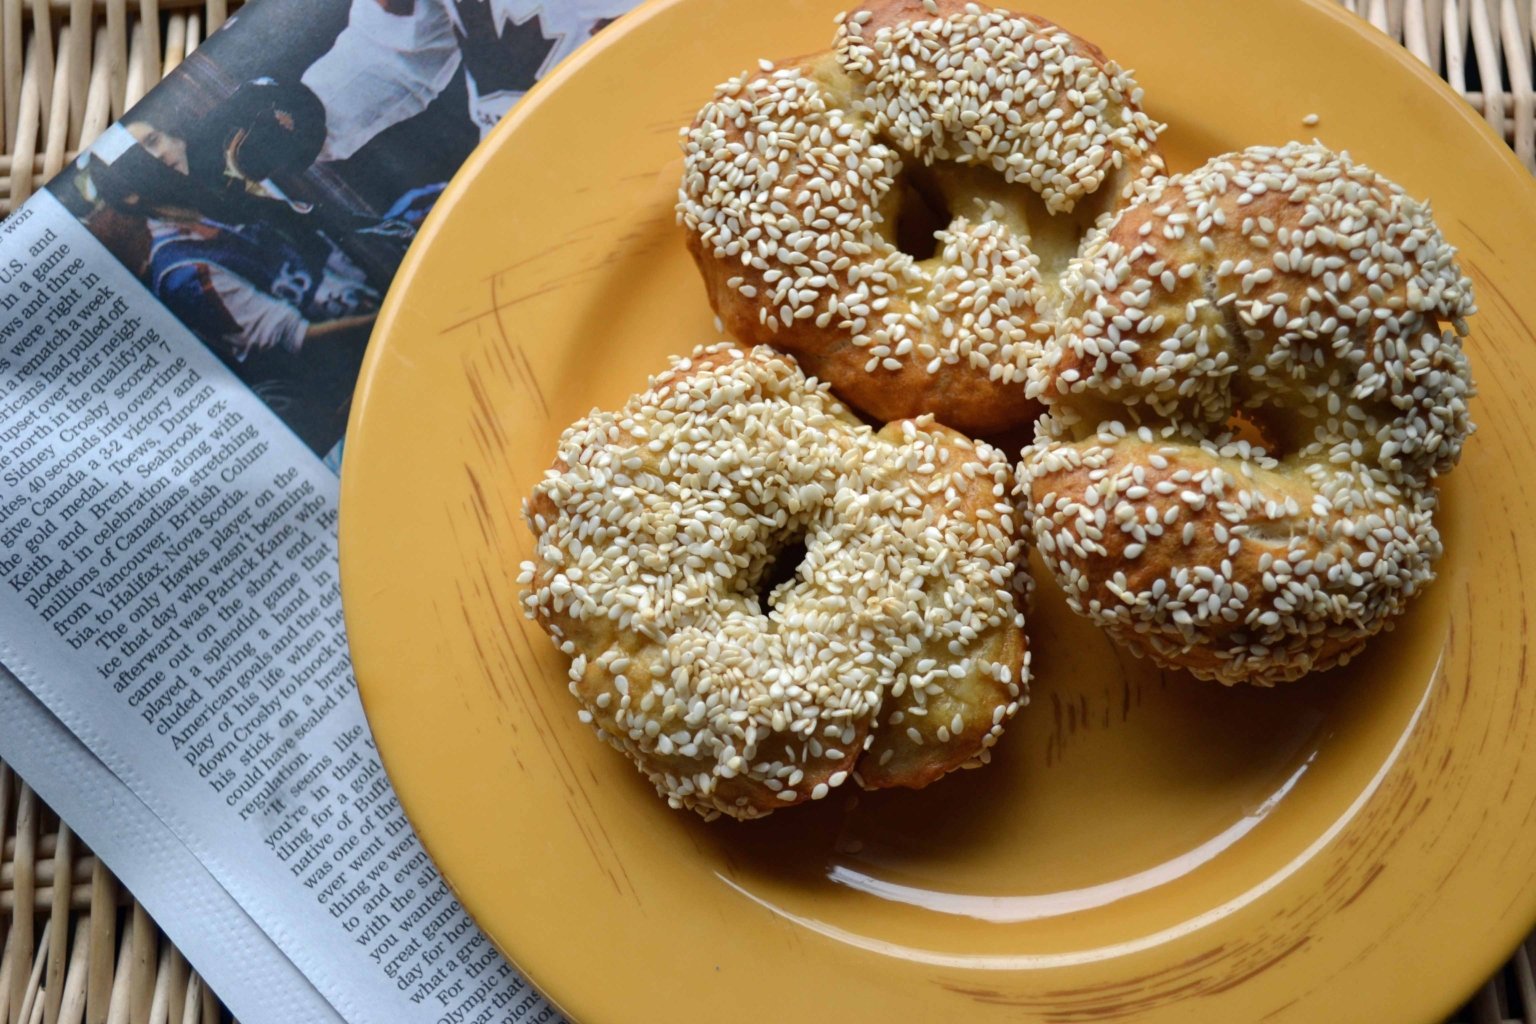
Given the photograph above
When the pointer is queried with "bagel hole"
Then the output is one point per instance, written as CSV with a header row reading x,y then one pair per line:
x,y
784,567
921,214
1057,238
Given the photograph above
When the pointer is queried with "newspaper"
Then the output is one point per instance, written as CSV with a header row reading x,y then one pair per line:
x,y
182,317
244,966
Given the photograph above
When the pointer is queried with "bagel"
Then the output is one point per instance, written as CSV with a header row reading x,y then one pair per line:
x,y
1292,294
893,654
996,139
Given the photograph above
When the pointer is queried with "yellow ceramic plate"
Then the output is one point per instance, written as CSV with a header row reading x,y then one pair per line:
x,y
1357,847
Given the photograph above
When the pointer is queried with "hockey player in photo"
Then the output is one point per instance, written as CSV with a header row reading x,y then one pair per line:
x,y
396,56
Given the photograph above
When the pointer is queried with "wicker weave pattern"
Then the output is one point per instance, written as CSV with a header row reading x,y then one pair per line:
x,y
69,68
1469,42
81,949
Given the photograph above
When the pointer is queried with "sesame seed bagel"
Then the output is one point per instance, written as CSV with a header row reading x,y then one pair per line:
x,y
894,654
1001,136
1290,293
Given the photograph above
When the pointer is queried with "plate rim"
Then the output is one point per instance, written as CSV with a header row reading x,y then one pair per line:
x,y
394,310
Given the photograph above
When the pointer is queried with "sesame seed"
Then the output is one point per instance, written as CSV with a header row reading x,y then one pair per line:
x,y
657,526
795,170
1311,292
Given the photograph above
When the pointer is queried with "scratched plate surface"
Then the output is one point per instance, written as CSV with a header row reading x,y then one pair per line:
x,y
1355,846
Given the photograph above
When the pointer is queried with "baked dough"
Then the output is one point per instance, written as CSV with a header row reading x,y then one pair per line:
x,y
1259,381
894,653
996,138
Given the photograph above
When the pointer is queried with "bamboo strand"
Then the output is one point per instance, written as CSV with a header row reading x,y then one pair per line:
x,y
58,948
45,842
30,1003
80,17
1416,33
1434,23
116,54
21,923
119,999
103,931
98,100
1525,982
7,967
72,1003
176,983
160,1000
6,90
56,131
1485,44
25,145
6,162
7,843
42,899
97,6
137,85
175,42
1517,60
7,956
1485,1006
11,40
46,871
191,1010
42,58
1455,58
149,51
141,939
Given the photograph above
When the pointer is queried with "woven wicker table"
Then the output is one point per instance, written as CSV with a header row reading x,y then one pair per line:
x,y
77,946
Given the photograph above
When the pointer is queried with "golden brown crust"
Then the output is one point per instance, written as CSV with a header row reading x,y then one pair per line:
x,y
1304,294
925,733
797,178
1117,575
962,395
657,527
